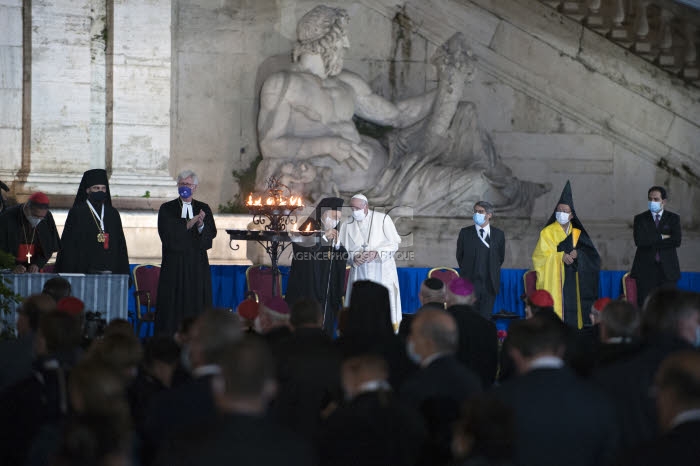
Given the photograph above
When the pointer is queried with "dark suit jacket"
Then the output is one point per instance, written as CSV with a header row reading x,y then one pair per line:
x,y
679,446
236,439
648,240
466,253
372,429
478,343
560,419
308,373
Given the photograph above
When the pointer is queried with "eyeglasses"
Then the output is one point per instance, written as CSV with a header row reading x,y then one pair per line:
x,y
182,185
479,211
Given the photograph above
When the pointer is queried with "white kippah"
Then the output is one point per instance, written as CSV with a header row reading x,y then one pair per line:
x,y
360,196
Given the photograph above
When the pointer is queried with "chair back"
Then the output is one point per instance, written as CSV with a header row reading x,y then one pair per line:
x,y
444,274
146,278
49,268
629,289
259,281
530,280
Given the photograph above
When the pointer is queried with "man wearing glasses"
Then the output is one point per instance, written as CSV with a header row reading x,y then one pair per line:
x,y
481,249
186,229
567,263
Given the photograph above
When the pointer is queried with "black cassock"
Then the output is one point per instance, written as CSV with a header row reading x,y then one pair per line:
x,y
81,252
317,269
184,288
46,240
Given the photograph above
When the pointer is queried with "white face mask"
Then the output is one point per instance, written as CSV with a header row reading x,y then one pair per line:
x,y
479,219
329,223
654,206
34,221
562,218
358,215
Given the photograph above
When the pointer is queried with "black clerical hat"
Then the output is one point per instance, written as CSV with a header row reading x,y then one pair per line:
x,y
91,178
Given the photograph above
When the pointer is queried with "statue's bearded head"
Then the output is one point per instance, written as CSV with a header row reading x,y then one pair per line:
x,y
321,31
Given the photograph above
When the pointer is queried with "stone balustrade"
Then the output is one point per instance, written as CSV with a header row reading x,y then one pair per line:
x,y
664,32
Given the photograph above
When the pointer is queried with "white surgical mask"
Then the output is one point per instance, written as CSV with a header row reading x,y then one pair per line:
x,y
479,219
654,207
411,352
358,215
562,218
329,223
34,221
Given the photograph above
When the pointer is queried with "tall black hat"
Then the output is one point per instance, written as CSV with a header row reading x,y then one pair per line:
x,y
91,178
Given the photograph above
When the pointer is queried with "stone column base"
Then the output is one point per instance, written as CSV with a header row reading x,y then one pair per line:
x,y
140,185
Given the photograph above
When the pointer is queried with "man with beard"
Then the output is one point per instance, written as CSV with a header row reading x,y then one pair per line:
x,y
93,240
28,232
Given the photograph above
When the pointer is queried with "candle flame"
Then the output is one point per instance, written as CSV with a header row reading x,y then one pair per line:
x,y
308,227
270,201
250,199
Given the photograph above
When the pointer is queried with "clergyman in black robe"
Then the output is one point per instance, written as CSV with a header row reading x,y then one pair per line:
x,y
28,232
567,263
93,239
318,264
186,228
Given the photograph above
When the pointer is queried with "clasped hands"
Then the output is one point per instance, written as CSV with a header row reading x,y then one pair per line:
x,y
197,220
33,268
364,257
569,258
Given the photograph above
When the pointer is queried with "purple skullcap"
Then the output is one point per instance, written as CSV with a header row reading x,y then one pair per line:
x,y
277,304
461,287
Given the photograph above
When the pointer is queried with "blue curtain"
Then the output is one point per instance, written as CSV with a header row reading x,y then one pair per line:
x,y
229,286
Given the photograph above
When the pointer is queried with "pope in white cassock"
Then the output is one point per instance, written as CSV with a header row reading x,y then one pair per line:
x,y
371,240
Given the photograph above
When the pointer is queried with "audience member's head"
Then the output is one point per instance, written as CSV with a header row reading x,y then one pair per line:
x,y
122,326
485,430
31,310
273,313
57,288
74,307
247,381
677,387
306,313
120,352
597,309
460,291
538,301
161,356
95,388
359,370
369,315
671,312
619,320
432,290
433,332
212,332
183,335
530,339
59,332
247,311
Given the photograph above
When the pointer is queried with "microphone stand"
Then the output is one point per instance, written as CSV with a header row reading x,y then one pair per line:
x,y
328,283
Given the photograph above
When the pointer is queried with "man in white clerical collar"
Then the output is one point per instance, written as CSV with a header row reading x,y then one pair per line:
x,y
371,240
186,187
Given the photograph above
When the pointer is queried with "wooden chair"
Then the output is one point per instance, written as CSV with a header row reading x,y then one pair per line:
x,y
629,289
259,281
146,278
444,274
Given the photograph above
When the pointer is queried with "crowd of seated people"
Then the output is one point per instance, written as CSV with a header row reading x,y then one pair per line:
x,y
267,386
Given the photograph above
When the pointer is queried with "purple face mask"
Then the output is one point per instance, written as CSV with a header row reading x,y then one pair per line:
x,y
185,192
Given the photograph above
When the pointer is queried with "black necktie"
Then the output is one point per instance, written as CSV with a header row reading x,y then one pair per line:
x,y
481,231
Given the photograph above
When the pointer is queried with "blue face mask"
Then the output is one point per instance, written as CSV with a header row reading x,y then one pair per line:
x,y
479,219
654,207
185,192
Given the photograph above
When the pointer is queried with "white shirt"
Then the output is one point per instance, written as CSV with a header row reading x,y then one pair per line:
x,y
546,362
487,233
686,416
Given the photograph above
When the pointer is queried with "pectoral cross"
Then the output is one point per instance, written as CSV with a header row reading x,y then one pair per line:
x,y
364,247
29,257
100,237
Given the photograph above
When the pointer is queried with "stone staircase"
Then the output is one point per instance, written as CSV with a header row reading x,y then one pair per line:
x,y
663,32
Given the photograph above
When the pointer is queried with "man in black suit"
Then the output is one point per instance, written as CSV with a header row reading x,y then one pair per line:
x,y
478,337
677,388
308,370
481,250
657,235
559,418
241,434
438,389
192,402
371,427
